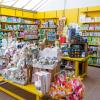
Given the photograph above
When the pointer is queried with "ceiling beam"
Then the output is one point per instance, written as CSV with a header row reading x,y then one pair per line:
x,y
26,4
40,6
37,4
14,8
14,3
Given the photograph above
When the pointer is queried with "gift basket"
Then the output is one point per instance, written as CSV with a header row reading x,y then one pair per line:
x,y
67,87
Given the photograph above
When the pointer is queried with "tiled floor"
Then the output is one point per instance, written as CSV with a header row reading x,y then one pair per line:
x,y
4,96
92,86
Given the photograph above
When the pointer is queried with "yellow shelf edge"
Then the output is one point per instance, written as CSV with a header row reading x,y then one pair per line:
x,y
83,75
90,23
11,94
27,88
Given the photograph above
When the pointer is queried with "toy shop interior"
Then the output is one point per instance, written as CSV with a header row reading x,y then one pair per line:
x,y
49,49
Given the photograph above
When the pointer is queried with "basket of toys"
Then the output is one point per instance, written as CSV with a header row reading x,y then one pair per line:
x,y
67,88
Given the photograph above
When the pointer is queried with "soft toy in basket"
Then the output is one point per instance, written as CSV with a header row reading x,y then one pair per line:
x,y
69,88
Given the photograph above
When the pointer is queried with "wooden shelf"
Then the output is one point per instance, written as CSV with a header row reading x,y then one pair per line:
x,y
14,23
94,57
90,30
26,39
20,37
48,27
11,30
92,36
47,18
90,23
69,69
91,11
93,45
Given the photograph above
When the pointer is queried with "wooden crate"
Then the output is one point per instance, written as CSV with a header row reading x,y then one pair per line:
x,y
53,71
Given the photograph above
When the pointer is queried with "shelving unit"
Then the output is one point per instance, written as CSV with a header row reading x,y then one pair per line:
x,y
17,26
48,29
91,32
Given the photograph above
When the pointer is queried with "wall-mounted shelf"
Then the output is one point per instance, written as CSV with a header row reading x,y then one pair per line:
x,y
11,30
91,11
48,27
47,18
90,23
12,23
92,36
90,30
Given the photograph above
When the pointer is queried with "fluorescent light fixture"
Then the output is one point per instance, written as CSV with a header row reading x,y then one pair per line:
x,y
7,2
33,3
21,3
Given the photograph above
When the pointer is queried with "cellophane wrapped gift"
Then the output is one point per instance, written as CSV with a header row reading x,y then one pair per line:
x,y
42,81
70,88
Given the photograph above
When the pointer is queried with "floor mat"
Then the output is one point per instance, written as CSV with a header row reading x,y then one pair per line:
x,y
20,92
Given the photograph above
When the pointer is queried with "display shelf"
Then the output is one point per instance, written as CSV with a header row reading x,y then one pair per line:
x,y
47,27
90,23
14,23
90,30
95,57
11,30
47,18
90,11
77,61
92,36
29,88
69,69
93,45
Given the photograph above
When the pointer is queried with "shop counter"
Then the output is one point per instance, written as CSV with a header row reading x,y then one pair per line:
x,y
18,91
80,70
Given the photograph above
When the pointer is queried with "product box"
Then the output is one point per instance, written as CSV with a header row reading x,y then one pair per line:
x,y
82,18
42,81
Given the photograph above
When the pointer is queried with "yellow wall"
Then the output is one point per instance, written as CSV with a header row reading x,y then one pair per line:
x,y
7,11
72,15
27,14
17,13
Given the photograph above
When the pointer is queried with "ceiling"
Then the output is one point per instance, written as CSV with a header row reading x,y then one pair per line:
x,y
32,5
46,5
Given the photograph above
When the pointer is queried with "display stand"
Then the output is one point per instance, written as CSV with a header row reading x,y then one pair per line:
x,y
31,91
79,70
